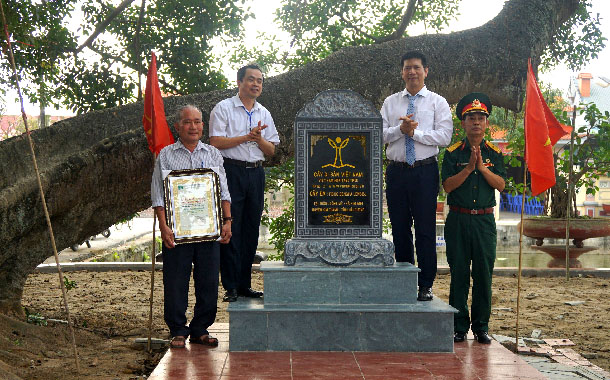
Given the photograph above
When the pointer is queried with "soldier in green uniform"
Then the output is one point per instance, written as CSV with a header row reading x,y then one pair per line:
x,y
472,171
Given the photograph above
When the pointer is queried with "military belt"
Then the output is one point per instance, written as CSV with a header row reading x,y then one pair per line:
x,y
474,211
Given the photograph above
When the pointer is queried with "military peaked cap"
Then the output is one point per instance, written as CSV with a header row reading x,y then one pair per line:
x,y
475,102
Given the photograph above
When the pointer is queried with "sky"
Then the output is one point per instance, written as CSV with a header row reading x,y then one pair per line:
x,y
559,77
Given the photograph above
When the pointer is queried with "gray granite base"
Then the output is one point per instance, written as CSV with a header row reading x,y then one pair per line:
x,y
353,308
339,252
318,285
419,327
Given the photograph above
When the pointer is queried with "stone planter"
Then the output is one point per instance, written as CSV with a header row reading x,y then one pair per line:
x,y
580,229
558,254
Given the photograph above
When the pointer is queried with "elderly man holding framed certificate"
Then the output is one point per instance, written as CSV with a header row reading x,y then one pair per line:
x,y
191,199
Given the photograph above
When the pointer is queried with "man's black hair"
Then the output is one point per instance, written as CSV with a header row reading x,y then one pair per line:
x,y
241,73
414,54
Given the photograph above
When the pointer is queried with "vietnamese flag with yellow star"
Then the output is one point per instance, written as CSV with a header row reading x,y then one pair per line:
x,y
542,131
154,122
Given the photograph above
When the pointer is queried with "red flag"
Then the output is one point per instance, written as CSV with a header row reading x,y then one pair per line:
x,y
542,131
154,122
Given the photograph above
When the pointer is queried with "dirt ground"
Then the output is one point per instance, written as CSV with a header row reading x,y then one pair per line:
x,y
110,310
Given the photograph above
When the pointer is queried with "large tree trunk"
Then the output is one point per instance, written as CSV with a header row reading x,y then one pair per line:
x,y
96,167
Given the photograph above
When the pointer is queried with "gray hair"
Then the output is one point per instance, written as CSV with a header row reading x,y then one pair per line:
x,y
181,109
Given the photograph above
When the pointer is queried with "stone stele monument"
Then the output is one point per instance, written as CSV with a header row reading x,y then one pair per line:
x,y
339,288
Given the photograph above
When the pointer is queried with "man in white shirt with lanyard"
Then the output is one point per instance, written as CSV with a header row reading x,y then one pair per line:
x,y
244,132
416,122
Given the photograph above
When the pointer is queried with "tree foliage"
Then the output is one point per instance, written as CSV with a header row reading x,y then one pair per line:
x,y
577,41
318,28
591,158
45,35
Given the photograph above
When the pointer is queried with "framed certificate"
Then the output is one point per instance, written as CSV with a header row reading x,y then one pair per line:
x,y
192,205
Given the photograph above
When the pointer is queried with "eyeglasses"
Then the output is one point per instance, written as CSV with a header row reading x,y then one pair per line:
x,y
189,121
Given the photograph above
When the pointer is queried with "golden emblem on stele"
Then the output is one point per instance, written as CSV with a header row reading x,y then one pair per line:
x,y
337,218
337,144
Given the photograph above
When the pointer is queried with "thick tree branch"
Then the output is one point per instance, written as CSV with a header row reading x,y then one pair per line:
x,y
102,26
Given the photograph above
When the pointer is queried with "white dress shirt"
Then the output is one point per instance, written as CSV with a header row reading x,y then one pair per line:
x,y
229,118
178,157
434,129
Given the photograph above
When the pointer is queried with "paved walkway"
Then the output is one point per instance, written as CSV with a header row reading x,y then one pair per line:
x,y
469,361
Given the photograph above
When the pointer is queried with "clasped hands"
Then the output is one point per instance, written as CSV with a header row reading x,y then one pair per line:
x,y
408,125
476,160
255,133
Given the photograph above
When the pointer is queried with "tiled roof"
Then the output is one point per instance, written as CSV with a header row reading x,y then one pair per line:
x,y
500,134
600,94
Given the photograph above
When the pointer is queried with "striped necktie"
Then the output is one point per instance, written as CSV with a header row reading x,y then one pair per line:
x,y
409,143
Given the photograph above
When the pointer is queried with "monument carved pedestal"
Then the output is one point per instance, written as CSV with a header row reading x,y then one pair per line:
x,y
339,252
339,288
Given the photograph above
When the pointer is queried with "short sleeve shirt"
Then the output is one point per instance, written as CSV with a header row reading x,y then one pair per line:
x,y
230,118
178,157
475,192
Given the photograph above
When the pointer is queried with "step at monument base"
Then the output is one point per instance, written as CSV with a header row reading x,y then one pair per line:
x,y
418,327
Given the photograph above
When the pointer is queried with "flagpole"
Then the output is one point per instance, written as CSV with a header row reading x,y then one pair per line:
x,y
516,347
153,260
520,254
159,136
570,191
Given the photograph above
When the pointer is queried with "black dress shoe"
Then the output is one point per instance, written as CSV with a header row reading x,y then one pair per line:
x,y
250,293
459,337
482,337
424,294
230,296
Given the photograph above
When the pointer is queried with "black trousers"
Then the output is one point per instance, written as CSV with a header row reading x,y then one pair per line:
x,y
411,196
247,188
204,259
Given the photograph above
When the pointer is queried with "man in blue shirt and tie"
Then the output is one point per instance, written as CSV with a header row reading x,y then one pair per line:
x,y
416,121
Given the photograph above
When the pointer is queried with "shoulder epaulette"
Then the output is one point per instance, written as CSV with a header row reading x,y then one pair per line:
x,y
492,146
455,146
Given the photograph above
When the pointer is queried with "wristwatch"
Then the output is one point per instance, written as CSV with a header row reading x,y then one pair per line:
x,y
227,219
